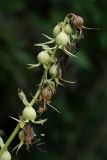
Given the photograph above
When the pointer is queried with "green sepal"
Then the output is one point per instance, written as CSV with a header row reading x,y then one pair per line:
x,y
69,53
58,82
40,121
33,65
23,97
53,107
49,42
52,85
67,81
18,146
47,37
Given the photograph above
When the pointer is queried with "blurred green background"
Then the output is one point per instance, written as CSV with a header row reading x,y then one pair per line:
x,y
80,131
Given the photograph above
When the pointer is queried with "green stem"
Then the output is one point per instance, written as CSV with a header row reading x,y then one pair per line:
x,y
10,139
65,20
34,99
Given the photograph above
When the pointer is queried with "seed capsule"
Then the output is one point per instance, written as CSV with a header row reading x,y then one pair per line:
x,y
29,113
46,93
62,39
5,156
44,58
57,29
68,30
53,71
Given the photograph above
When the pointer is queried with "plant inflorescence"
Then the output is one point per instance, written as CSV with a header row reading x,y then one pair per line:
x,y
65,42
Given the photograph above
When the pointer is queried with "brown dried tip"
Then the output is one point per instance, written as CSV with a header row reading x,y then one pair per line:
x,y
77,22
41,109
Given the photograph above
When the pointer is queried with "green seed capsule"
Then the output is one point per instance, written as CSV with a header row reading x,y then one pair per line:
x,y
5,156
44,58
56,30
68,30
29,113
62,39
53,71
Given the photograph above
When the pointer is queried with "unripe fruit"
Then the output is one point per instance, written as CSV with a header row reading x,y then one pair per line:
x,y
53,71
5,156
43,57
29,113
68,30
62,39
57,30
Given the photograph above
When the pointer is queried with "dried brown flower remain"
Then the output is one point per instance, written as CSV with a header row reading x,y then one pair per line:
x,y
27,135
77,22
46,93
41,109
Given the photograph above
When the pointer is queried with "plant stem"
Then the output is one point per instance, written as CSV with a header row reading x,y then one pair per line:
x,y
39,89
33,101
10,139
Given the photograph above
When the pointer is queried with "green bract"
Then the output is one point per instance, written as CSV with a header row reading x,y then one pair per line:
x,y
68,30
53,71
62,39
5,156
43,58
29,113
57,30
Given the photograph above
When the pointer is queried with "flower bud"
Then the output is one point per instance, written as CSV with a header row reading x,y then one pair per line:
x,y
57,30
29,113
62,39
5,156
43,57
53,71
46,93
68,30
